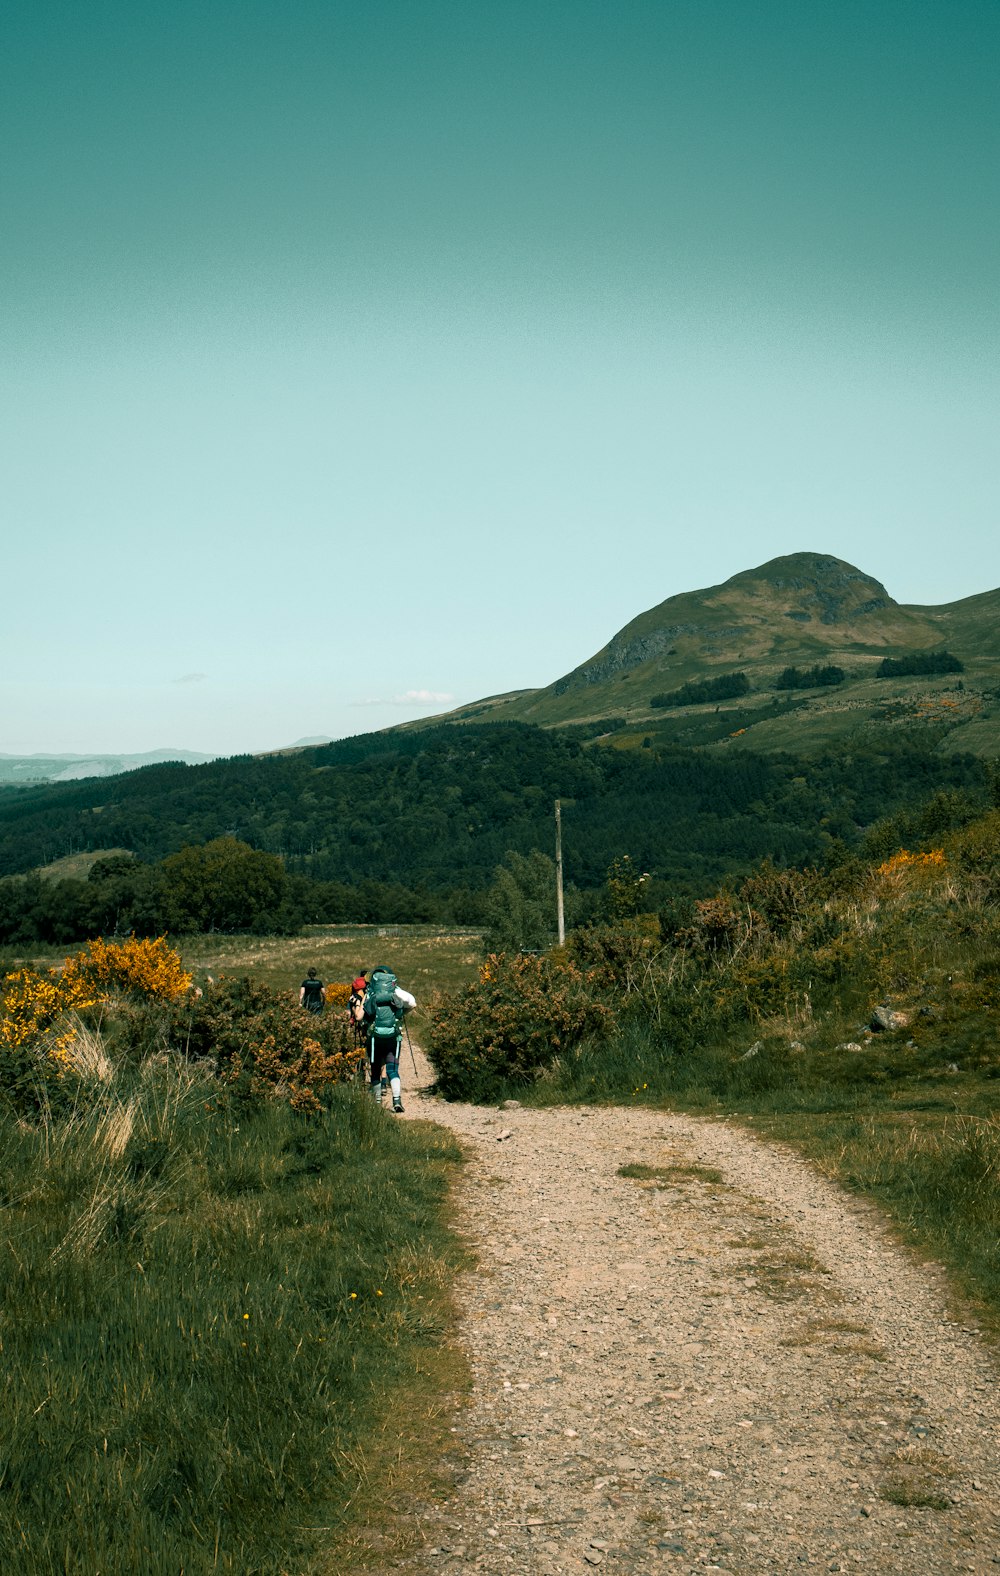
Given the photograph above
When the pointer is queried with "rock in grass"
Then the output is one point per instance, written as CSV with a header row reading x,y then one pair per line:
x,y
884,1019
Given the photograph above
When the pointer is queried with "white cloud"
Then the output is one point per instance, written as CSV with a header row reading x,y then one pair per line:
x,y
420,697
190,678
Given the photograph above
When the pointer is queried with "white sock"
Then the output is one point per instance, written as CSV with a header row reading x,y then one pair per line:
x,y
396,1087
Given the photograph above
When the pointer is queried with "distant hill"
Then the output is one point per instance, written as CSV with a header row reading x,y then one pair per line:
x,y
723,725
77,867
20,769
805,611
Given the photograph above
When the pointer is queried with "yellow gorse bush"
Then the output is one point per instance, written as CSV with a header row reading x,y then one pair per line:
x,y
32,1003
273,1071
132,967
905,874
904,862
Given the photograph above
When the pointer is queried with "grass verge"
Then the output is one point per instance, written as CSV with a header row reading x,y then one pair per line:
x,y
224,1336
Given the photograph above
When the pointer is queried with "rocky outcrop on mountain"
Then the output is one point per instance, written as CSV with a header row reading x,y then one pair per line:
x,y
622,654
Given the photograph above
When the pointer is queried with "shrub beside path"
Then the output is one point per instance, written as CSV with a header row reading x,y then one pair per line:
x,y
719,1363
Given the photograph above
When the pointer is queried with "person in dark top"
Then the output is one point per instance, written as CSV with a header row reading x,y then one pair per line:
x,y
312,995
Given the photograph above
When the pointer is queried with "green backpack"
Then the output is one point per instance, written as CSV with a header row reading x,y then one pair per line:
x,y
382,1011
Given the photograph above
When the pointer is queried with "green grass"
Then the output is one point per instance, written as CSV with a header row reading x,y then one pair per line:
x,y
936,1173
224,1337
670,1176
426,958
77,867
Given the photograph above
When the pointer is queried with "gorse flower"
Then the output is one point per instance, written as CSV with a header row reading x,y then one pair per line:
x,y
905,861
132,967
36,1008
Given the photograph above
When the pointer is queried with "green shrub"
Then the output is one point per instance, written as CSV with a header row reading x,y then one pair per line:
x,y
260,1043
616,958
504,1029
783,898
975,851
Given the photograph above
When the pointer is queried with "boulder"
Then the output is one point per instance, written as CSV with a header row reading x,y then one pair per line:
x,y
884,1019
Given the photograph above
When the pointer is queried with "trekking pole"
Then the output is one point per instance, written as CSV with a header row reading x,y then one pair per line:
x,y
413,1059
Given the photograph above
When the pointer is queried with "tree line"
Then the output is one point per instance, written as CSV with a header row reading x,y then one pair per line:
x,y
413,826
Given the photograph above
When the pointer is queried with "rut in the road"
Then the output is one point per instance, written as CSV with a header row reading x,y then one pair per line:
x,y
719,1362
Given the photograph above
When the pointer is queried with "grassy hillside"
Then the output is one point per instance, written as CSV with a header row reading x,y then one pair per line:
x,y
77,867
802,610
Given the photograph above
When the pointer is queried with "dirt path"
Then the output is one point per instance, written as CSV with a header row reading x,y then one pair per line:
x,y
723,1365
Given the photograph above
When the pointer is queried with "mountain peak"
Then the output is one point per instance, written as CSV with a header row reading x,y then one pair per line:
x,y
814,587
773,630
820,586
742,619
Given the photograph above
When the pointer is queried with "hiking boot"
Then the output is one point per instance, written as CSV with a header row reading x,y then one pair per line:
x,y
397,1106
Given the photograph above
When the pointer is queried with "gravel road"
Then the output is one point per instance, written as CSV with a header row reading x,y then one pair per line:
x,y
723,1363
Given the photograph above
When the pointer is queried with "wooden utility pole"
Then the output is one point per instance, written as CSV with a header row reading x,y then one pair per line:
x,y
560,917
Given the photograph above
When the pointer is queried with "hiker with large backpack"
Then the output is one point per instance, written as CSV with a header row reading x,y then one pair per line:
x,y
385,1004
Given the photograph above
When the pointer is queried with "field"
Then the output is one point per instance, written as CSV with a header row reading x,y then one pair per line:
x,y
425,959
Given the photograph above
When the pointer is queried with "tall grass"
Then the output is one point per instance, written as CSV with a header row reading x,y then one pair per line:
x,y
203,1321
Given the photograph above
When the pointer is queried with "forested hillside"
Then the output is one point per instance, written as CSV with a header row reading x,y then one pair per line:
x,y
438,810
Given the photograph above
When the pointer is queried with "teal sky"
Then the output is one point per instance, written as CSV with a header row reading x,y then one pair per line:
x,y
358,358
